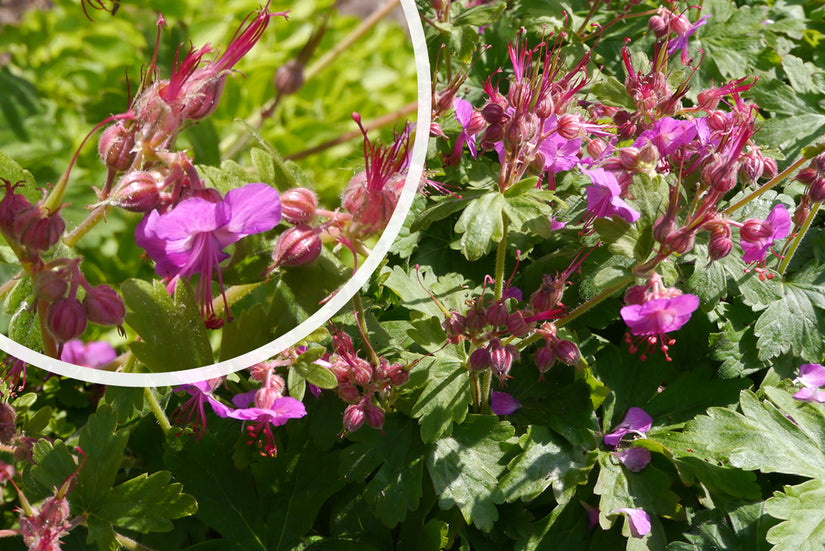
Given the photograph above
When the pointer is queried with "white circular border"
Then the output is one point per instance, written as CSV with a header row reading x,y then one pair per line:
x,y
341,298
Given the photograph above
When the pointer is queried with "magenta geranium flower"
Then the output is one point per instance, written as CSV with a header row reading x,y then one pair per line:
x,y
758,236
636,421
469,129
93,354
281,411
681,40
502,403
654,319
603,197
637,520
812,377
192,412
190,238
635,459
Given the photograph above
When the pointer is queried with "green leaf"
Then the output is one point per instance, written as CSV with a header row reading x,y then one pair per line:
x,y
173,335
621,238
103,447
802,508
763,437
443,208
53,464
530,213
146,503
521,186
794,323
481,224
248,331
451,290
737,351
396,457
612,91
620,488
126,401
446,395
465,468
547,460
14,173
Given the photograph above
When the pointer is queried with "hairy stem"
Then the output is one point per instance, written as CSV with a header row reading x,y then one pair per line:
x,y
791,249
157,411
97,214
765,187
501,253
130,544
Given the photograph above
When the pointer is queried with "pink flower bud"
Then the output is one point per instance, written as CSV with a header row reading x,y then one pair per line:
x,y
816,193
517,325
13,207
720,243
681,241
544,358
289,78
43,232
455,325
348,392
66,319
50,285
137,191
718,121
635,295
298,205
479,359
545,106
476,320
569,126
549,295
8,423
819,161
754,230
567,352
596,148
807,175
493,113
520,93
657,26
374,415
801,213
663,227
297,246
116,146
752,167
361,372
501,357
265,397
354,417
201,96
497,314
54,511
104,306
628,157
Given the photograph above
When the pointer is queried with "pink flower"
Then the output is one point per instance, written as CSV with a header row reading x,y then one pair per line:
x,y
657,317
681,40
758,236
93,354
503,404
636,421
192,411
190,238
812,377
635,459
637,520
281,411
603,197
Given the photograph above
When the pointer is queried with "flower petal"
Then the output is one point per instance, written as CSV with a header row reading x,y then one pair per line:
x,y
503,404
254,208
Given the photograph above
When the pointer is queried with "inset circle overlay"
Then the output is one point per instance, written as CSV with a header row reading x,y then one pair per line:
x,y
336,303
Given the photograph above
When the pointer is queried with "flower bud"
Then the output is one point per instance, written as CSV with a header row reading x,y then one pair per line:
x,y
681,241
807,175
104,306
13,207
476,320
516,324
493,113
771,170
354,417
492,135
394,373
137,191
8,423
297,246
720,243
816,193
545,106
549,295
569,126
628,157
50,285
719,174
752,167
43,232
348,392
501,357
718,121
545,358
596,148
54,511
66,319
635,295
201,96
663,227
520,93
567,352
116,146
360,372
497,314
479,359
657,26
374,415
298,205
289,78
803,210
455,325
265,397
819,161
754,230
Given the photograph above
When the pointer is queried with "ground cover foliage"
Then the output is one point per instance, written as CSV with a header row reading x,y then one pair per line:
x,y
600,327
